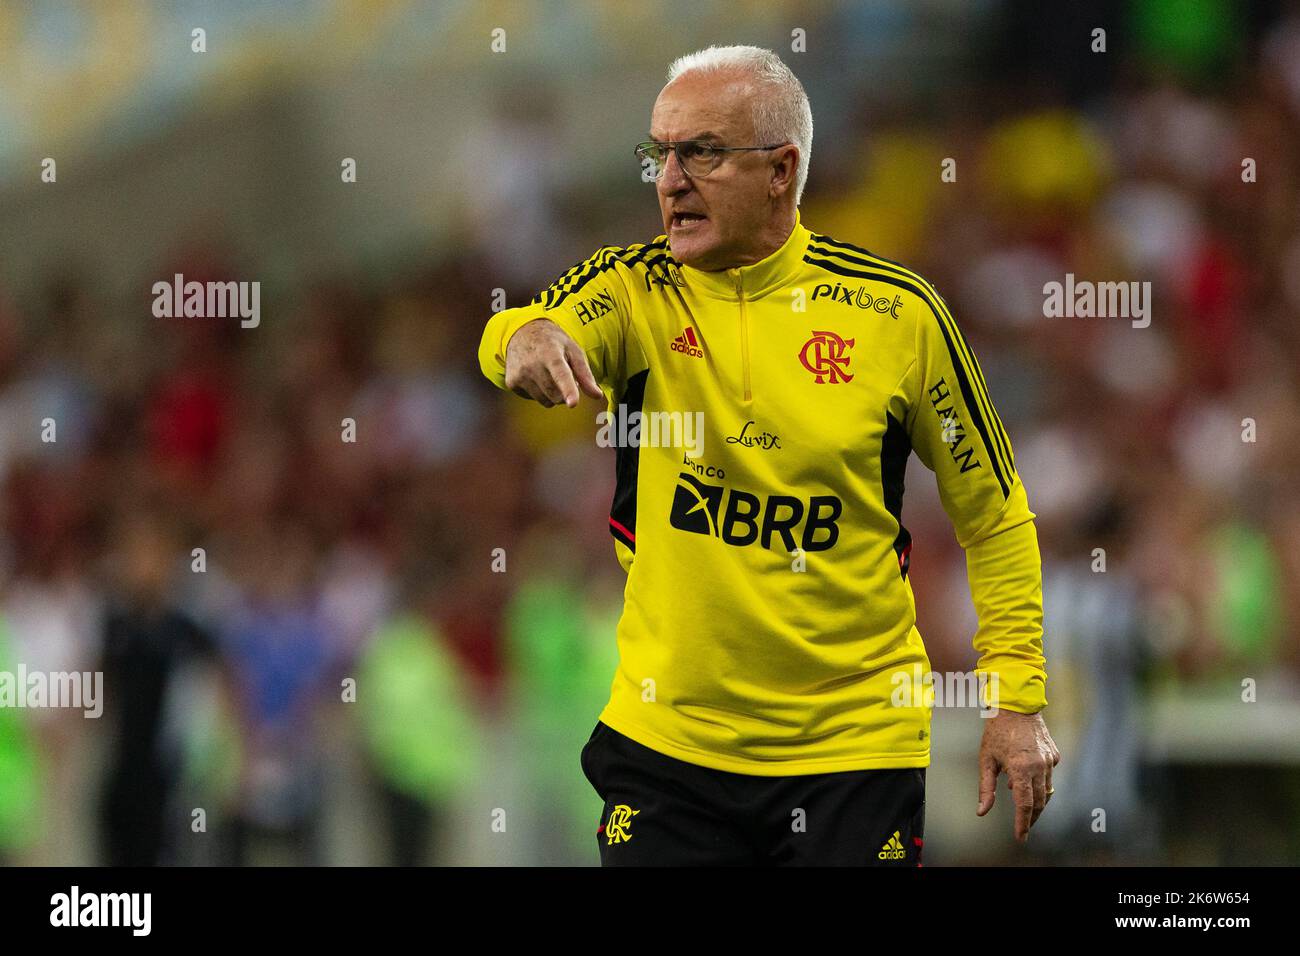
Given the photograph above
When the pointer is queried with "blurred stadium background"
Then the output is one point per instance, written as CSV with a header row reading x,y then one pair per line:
x,y
478,170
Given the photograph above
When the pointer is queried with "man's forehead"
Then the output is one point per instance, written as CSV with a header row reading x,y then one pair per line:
x,y
701,108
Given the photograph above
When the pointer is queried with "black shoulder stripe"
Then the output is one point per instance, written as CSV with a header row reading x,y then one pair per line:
x,y
1007,452
601,261
595,258
937,304
651,253
850,247
606,258
963,380
547,294
656,260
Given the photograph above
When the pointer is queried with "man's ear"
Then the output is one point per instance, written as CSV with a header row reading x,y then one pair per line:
x,y
783,171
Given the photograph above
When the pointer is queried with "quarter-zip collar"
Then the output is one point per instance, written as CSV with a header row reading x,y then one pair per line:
x,y
757,279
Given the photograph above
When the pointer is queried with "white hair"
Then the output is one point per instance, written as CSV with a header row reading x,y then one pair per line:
x,y
780,106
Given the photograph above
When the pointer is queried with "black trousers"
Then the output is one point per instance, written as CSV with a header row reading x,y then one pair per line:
x,y
660,811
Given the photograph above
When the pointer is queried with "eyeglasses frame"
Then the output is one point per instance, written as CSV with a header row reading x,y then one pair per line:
x,y
677,144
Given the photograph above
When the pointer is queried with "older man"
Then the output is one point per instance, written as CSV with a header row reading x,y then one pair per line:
x,y
766,708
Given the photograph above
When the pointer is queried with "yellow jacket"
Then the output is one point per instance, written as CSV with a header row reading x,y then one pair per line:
x,y
763,417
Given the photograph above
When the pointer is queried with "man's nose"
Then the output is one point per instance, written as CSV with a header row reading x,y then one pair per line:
x,y
674,180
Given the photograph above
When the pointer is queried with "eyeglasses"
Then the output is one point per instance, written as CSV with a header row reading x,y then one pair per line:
x,y
696,156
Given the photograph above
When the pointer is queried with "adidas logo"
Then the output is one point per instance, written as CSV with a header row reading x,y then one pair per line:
x,y
687,344
893,849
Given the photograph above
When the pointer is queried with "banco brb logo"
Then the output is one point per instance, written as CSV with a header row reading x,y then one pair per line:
x,y
825,355
747,518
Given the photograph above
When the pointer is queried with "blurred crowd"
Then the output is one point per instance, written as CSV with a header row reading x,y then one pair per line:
x,y
328,547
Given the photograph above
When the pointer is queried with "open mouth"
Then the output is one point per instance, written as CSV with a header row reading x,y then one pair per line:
x,y
681,219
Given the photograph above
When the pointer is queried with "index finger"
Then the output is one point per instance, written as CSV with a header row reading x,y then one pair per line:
x,y
582,371
1022,791
563,378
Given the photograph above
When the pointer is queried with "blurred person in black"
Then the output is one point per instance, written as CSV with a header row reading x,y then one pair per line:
x,y
147,642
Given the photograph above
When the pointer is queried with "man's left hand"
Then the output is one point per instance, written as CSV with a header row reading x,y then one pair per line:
x,y
1020,746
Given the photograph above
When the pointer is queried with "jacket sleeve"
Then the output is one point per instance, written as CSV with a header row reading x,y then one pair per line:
x,y
590,302
958,435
